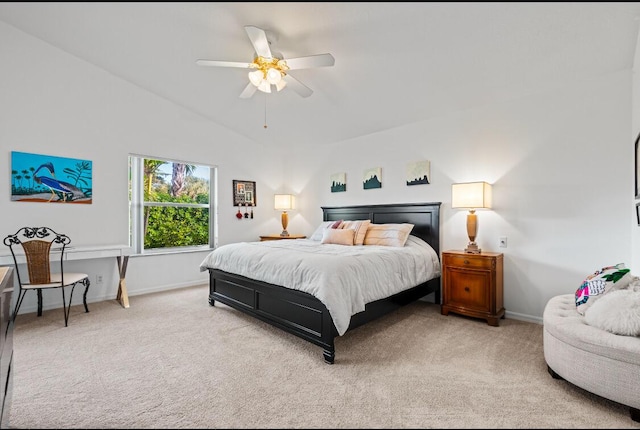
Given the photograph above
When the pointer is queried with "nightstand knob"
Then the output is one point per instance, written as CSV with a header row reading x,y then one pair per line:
x,y
466,289
466,261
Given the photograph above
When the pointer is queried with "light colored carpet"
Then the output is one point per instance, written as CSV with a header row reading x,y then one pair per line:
x,y
172,361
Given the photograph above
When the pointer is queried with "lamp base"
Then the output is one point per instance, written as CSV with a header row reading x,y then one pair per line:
x,y
284,233
472,248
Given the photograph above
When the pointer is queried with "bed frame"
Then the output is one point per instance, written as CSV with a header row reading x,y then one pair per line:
x,y
303,315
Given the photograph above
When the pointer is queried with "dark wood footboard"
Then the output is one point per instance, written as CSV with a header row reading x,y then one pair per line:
x,y
302,314
293,311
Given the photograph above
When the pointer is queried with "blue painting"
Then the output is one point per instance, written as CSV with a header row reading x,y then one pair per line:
x,y
50,179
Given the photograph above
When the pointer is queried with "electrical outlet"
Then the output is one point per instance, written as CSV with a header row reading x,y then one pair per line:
x,y
98,279
503,242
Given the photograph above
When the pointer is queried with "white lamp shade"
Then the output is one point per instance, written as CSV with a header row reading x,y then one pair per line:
x,y
280,85
265,87
283,202
274,76
256,77
471,195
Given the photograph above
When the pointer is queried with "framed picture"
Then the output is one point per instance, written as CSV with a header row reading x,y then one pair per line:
x,y
338,182
372,178
244,192
50,179
637,164
418,173
638,213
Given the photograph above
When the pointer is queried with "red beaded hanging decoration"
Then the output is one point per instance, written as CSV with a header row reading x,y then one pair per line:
x,y
239,214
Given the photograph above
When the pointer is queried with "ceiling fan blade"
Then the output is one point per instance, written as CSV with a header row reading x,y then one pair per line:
x,y
259,41
297,86
320,60
248,91
223,64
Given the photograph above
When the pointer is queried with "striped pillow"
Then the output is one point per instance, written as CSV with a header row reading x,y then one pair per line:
x,y
317,235
360,228
388,234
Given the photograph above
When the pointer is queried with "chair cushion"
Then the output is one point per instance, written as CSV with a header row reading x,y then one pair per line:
x,y
70,278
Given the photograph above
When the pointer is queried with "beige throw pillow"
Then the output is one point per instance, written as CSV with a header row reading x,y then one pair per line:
x,y
360,229
388,234
338,236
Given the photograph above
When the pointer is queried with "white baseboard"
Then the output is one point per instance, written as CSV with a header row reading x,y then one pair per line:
x,y
157,289
513,315
523,317
58,304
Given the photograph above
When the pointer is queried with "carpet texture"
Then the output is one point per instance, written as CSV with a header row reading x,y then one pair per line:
x,y
173,361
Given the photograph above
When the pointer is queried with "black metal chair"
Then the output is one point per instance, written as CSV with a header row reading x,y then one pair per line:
x,y
35,245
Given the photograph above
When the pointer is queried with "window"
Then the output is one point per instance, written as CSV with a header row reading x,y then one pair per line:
x,y
170,205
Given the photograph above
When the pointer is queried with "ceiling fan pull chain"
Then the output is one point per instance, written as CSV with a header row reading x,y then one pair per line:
x,y
265,110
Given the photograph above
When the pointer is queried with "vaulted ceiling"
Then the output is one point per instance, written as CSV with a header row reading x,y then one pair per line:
x,y
395,63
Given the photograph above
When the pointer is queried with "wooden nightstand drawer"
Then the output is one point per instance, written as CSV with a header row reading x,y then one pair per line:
x,y
472,289
468,260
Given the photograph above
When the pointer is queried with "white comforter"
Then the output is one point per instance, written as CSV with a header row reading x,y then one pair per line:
x,y
343,278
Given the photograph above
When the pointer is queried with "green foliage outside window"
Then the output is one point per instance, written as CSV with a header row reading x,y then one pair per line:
x,y
175,226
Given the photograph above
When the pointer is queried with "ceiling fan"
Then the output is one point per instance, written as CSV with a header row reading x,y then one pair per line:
x,y
269,68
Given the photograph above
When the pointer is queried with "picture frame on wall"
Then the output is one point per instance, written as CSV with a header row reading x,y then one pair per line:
x,y
638,213
50,179
418,173
338,182
372,178
637,167
244,193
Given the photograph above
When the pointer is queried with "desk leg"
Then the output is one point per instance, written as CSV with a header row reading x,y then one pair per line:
x,y
123,296
39,290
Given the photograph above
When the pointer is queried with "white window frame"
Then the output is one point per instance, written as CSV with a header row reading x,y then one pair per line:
x,y
137,205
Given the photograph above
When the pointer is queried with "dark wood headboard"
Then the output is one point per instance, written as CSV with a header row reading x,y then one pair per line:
x,y
424,216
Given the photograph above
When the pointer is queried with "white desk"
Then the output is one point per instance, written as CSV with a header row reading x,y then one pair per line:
x,y
87,252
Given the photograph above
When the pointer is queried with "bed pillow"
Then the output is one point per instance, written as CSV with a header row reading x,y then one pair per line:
x,y
317,235
338,236
618,312
599,283
360,229
388,234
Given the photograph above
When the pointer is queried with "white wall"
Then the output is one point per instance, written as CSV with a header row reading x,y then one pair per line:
x,y
561,163
53,103
635,131
560,167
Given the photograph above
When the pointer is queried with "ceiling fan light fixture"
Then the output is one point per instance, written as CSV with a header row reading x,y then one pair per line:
x,y
270,68
256,77
280,85
274,76
265,87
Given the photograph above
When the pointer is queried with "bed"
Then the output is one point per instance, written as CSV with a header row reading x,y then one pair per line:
x,y
303,314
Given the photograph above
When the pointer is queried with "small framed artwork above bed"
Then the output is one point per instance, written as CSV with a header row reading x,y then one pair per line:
x,y
303,287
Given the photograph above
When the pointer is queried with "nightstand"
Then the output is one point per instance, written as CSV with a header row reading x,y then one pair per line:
x,y
278,237
472,285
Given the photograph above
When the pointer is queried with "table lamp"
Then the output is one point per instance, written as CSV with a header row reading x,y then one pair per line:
x,y
472,196
283,202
